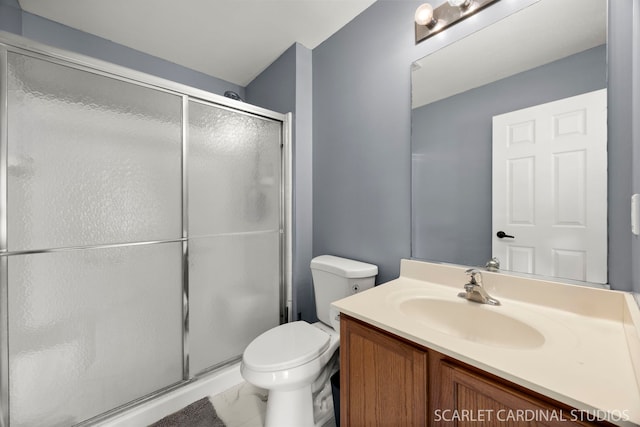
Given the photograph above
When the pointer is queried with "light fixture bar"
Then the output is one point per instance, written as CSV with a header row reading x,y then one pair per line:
x,y
447,15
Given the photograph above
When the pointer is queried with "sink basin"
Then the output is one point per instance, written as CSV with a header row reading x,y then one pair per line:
x,y
473,322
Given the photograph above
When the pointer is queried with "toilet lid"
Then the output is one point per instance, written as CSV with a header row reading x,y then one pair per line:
x,y
285,346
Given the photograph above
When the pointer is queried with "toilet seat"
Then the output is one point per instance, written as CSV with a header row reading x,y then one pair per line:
x,y
285,346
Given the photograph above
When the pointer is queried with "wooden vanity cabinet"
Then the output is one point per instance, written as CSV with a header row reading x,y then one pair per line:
x,y
386,380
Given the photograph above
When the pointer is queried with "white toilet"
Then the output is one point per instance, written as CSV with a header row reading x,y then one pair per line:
x,y
294,361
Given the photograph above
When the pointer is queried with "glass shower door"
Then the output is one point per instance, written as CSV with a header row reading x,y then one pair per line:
x,y
93,252
234,171
108,186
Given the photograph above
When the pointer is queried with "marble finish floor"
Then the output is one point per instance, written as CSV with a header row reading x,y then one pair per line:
x,y
244,405
241,406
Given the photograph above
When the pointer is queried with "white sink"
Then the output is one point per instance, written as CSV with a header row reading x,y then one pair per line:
x,y
472,321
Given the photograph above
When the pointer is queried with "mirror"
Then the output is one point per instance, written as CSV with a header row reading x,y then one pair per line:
x,y
547,51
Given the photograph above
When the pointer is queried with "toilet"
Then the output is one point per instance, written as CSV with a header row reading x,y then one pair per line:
x,y
294,361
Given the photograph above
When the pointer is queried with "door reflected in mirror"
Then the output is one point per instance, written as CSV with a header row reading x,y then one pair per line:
x,y
543,53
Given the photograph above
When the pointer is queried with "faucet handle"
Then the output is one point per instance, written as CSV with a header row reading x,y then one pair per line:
x,y
472,272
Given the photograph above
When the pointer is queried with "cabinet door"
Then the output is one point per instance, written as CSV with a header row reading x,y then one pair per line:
x,y
466,398
384,380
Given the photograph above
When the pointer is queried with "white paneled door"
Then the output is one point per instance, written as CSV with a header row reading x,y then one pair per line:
x,y
550,188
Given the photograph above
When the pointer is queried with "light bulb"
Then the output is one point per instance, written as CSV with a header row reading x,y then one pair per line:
x,y
424,15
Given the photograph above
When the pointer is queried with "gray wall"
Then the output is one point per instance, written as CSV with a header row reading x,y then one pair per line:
x,y
619,137
362,133
10,16
275,87
285,86
451,146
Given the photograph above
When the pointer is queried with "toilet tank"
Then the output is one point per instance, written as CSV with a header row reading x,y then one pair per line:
x,y
335,278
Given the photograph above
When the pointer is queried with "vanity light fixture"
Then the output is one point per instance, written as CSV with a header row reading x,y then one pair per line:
x,y
430,21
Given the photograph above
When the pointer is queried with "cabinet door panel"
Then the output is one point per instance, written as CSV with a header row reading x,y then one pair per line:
x,y
384,379
468,399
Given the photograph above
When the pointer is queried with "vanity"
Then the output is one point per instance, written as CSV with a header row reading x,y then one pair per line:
x,y
414,353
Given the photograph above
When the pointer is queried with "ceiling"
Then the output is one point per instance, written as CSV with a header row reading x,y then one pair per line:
x,y
544,32
234,40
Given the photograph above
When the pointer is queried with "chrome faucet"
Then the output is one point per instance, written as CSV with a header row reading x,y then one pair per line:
x,y
474,290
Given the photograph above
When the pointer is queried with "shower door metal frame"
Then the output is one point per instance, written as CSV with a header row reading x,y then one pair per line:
x,y
17,44
4,273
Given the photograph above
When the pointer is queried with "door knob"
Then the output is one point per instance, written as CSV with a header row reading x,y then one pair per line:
x,y
501,235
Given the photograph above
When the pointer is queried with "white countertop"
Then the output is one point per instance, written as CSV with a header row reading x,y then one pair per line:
x,y
589,357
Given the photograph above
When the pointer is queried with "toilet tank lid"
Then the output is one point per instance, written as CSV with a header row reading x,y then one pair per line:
x,y
343,267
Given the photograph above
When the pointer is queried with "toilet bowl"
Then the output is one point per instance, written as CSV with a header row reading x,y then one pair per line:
x,y
294,361
286,361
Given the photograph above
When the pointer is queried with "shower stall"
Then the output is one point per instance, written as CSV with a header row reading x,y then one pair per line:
x,y
144,234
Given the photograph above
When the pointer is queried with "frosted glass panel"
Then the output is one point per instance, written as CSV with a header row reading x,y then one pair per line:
x,y
234,294
234,171
92,160
91,330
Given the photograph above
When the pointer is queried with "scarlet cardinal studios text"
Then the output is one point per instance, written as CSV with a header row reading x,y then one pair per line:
x,y
519,415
